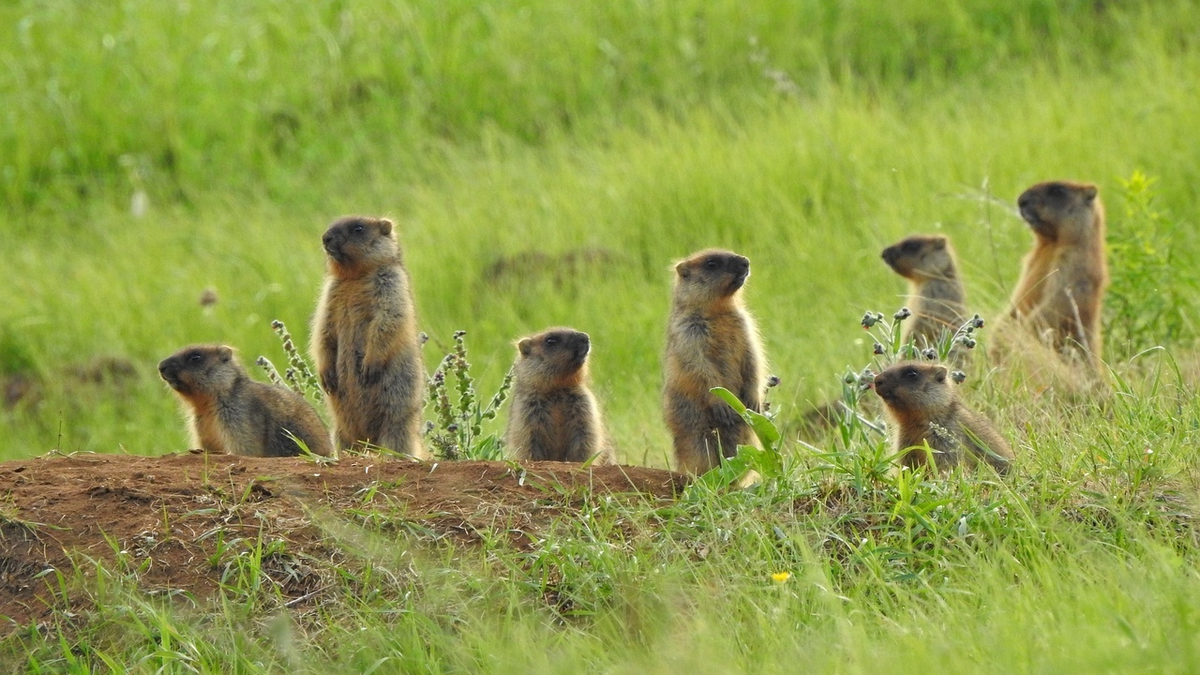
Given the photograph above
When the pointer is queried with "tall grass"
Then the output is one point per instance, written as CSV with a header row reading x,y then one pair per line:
x,y
225,96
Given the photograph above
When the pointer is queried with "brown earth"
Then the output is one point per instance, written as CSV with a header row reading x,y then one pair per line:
x,y
177,518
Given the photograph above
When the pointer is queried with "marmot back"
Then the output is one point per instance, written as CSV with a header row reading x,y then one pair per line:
x,y
923,406
712,341
1061,291
553,415
365,342
228,412
937,297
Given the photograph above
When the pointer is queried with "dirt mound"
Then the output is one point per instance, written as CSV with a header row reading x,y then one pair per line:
x,y
172,517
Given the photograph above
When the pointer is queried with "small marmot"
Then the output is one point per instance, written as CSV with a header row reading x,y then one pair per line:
x,y
228,412
937,298
553,415
1061,290
712,341
923,406
365,342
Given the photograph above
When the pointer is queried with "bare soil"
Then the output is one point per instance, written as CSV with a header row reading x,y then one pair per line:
x,y
171,517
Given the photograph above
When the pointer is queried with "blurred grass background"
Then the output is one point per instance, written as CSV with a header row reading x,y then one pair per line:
x,y
546,162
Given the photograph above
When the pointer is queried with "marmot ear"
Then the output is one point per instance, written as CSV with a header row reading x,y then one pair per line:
x,y
385,226
226,353
525,346
939,242
1090,192
940,373
683,270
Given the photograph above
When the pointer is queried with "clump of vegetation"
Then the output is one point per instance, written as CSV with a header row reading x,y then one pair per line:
x,y
1148,297
457,429
298,376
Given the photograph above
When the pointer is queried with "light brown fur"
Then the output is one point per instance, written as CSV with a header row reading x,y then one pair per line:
x,y
923,406
1061,291
936,294
553,415
712,341
365,340
228,412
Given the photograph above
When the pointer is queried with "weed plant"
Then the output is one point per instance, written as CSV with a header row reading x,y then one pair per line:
x,y
458,432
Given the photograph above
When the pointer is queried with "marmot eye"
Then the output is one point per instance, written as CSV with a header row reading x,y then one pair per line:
x,y
195,358
1057,191
910,373
551,341
712,264
357,229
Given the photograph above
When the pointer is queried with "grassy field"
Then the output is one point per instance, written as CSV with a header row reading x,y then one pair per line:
x,y
546,162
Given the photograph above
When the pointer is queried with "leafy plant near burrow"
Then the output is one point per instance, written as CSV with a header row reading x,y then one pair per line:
x,y
1146,301
298,376
767,461
456,432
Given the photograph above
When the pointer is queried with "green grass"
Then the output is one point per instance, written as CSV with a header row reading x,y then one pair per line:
x,y
638,132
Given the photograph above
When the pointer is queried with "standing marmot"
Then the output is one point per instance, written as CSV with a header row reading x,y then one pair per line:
x,y
231,413
937,298
923,406
712,341
365,342
1061,289
553,415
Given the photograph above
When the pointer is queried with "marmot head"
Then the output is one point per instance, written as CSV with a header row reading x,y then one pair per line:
x,y
201,370
921,257
911,386
360,243
1062,211
709,276
553,358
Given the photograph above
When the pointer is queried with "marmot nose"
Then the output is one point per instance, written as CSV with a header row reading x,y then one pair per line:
x,y
1024,200
162,367
888,255
327,239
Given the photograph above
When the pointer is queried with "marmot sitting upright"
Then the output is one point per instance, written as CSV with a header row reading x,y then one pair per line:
x,y
712,341
923,406
553,416
1061,290
228,412
937,298
365,343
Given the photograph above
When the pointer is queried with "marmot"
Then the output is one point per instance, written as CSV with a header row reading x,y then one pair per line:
x,y
937,298
923,406
228,412
365,343
1062,285
712,341
553,416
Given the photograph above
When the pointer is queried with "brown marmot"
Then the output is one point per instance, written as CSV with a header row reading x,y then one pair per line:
x,y
923,406
553,415
937,298
365,342
712,341
1061,290
228,412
